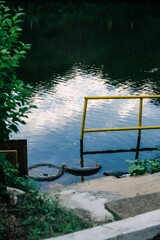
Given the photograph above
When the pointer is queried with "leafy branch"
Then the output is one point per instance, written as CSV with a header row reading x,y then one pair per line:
x,y
15,103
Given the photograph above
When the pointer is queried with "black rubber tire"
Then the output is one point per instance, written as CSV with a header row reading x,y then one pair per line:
x,y
59,173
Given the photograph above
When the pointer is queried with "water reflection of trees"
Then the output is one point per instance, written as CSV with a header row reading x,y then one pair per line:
x,y
121,39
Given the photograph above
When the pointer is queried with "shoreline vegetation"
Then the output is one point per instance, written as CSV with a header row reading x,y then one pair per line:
x,y
32,214
85,1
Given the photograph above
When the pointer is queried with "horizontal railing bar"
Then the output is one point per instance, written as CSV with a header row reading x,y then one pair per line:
x,y
122,97
121,128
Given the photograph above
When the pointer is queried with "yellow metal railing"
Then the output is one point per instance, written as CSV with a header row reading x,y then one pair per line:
x,y
139,127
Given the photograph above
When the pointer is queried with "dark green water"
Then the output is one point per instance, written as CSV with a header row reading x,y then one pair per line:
x,y
90,49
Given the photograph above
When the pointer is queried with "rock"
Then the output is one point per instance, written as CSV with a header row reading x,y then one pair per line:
x,y
13,195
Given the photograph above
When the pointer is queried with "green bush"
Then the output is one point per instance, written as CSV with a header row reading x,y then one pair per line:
x,y
9,177
140,167
14,95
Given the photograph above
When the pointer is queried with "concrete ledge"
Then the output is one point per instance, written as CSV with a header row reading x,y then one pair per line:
x,y
140,227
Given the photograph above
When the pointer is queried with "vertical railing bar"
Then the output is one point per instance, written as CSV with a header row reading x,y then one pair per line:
x,y
83,118
140,112
140,115
83,124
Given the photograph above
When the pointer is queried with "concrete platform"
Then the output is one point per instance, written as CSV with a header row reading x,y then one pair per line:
x,y
92,196
127,186
109,199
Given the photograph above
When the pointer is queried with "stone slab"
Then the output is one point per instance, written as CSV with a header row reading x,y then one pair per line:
x,y
130,207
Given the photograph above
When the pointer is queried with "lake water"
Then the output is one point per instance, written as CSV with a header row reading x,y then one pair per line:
x,y
88,49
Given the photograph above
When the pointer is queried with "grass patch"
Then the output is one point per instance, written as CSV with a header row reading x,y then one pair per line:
x,y
37,216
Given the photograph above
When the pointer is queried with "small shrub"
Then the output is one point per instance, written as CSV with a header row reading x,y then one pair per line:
x,y
141,167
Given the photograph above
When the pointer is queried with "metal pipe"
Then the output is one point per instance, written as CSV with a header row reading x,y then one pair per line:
x,y
140,112
140,116
84,118
122,97
120,129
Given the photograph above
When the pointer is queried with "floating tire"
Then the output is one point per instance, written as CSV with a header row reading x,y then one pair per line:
x,y
46,177
82,171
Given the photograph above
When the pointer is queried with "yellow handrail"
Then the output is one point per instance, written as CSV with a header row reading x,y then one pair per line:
x,y
120,129
121,97
139,127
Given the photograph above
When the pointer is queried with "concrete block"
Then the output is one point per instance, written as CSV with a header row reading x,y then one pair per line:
x,y
140,227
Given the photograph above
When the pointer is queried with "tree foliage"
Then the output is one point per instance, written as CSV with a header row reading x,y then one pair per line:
x,y
14,95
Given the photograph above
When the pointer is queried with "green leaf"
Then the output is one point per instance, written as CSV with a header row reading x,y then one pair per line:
x,y
14,128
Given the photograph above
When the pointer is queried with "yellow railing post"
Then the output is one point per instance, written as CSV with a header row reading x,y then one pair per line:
x,y
140,115
84,118
140,112
83,124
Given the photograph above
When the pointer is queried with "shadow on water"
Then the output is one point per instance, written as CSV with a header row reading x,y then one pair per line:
x,y
89,49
